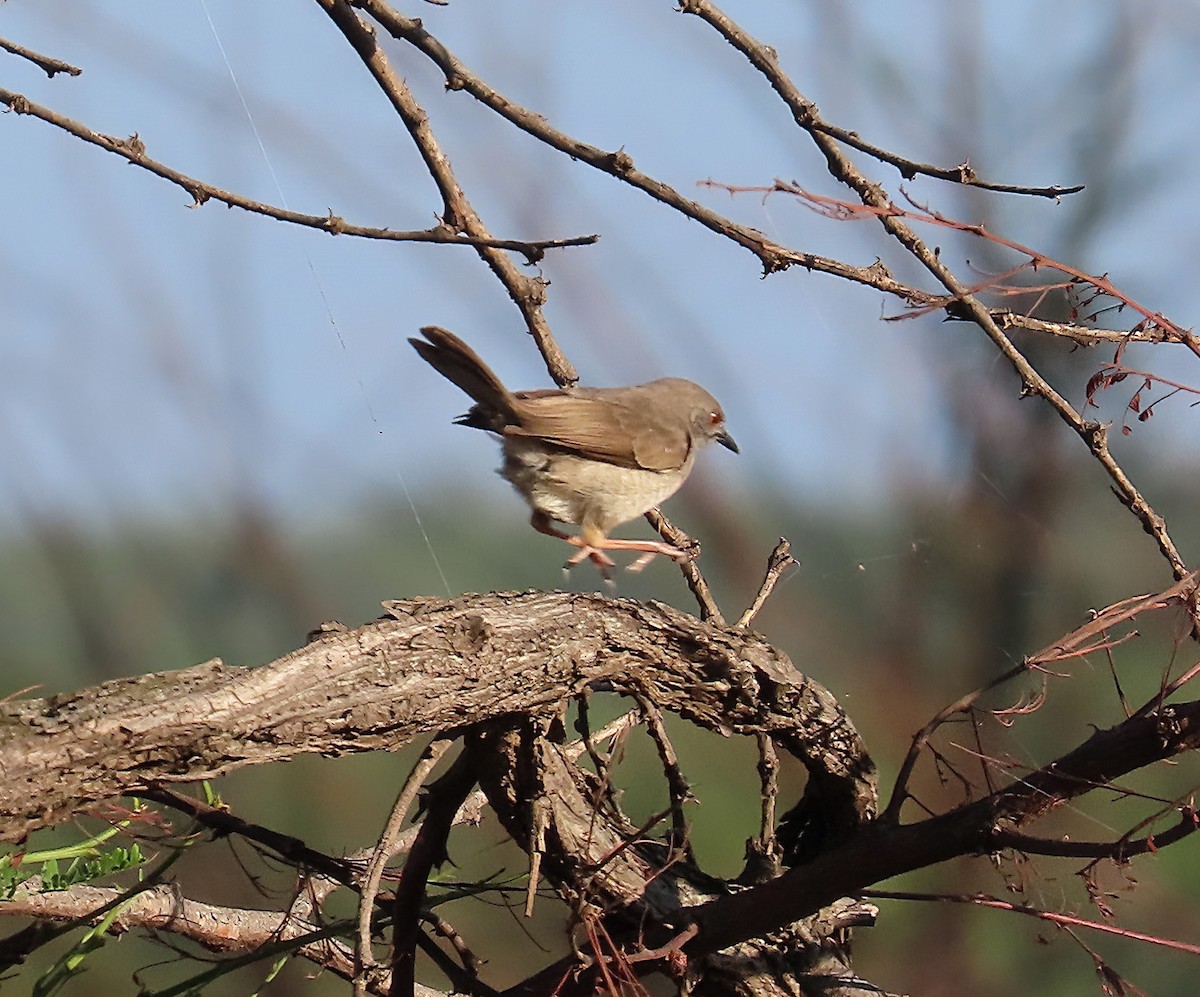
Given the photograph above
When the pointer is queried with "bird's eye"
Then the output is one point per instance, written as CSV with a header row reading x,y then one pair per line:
x,y
715,418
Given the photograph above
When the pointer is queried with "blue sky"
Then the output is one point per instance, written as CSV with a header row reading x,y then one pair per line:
x,y
163,360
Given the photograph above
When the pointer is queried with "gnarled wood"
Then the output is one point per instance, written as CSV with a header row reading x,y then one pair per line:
x,y
428,666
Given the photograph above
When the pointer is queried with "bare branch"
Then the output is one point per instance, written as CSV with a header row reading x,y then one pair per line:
x,y
710,612
133,150
415,672
1068,920
808,117
1120,850
291,849
428,849
764,855
619,163
527,293
880,851
45,62
1086,639
388,846
677,784
831,207
780,560
1094,435
258,933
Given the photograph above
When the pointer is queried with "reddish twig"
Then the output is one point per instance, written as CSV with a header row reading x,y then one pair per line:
x,y
984,900
1084,640
967,305
1114,373
842,210
880,851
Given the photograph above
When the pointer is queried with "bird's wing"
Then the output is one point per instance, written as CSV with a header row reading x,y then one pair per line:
x,y
625,432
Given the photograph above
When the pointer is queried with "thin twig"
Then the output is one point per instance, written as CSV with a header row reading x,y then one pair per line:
x,y
443,928
920,740
45,62
293,850
1079,642
584,729
841,210
611,731
537,846
133,150
673,535
780,560
384,850
764,856
1093,434
619,164
677,784
1121,850
528,294
604,785
1091,636
807,116
768,774
1170,689
983,900
1085,335
445,797
244,935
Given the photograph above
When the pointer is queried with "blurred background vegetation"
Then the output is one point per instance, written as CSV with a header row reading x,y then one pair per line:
x,y
896,635
210,421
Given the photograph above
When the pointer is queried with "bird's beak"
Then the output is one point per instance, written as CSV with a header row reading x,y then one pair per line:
x,y
726,441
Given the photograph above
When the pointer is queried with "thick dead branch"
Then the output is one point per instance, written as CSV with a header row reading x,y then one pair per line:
x,y
880,851
624,885
430,666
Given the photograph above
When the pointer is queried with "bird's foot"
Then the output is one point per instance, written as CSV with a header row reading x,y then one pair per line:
x,y
650,550
593,545
604,564
587,551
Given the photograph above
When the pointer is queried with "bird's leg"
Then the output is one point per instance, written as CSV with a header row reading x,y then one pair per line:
x,y
544,524
651,549
595,542
592,543
587,546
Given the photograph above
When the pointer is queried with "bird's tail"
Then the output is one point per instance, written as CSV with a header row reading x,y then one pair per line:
x,y
461,365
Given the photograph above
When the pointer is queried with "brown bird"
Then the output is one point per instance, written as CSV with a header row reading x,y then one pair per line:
x,y
593,457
